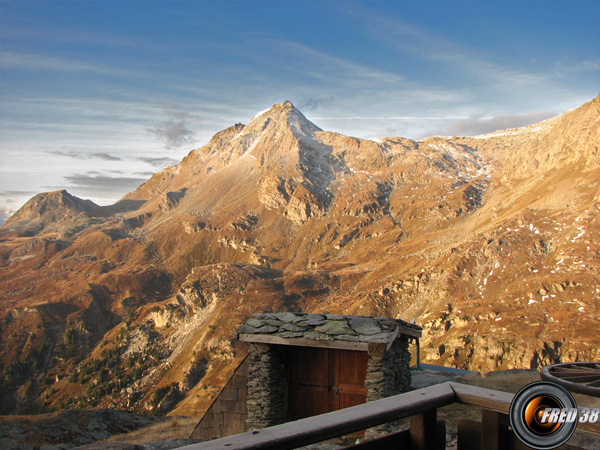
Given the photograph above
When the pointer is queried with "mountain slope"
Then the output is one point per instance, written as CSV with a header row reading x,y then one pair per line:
x,y
489,242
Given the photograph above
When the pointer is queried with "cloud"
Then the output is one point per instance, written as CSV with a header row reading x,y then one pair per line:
x,y
475,125
324,67
173,132
144,174
103,186
457,61
81,155
5,214
9,194
105,156
69,154
158,162
13,60
310,104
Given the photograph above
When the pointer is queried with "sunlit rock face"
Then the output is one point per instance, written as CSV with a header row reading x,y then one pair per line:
x,y
489,242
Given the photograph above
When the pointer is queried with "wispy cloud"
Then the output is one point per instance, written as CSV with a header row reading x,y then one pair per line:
x,y
9,194
81,155
448,54
144,174
174,132
18,32
5,214
158,162
320,65
103,186
15,60
480,125
105,156
314,103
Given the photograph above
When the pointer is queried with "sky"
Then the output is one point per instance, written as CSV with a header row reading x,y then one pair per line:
x,y
97,95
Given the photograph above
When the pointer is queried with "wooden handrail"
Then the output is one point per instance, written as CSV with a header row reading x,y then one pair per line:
x,y
490,399
498,401
337,423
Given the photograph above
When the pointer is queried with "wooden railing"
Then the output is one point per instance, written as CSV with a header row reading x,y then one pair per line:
x,y
419,405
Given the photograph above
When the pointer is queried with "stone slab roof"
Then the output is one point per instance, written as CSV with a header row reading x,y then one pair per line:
x,y
325,330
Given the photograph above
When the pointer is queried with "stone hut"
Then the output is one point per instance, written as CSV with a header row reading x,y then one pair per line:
x,y
300,365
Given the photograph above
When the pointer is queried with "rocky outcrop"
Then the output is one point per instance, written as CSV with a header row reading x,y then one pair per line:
x,y
489,242
68,429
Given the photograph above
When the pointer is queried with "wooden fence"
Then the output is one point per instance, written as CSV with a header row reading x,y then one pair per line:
x,y
425,432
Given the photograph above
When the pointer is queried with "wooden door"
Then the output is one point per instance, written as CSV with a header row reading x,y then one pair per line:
x,y
309,382
349,381
323,380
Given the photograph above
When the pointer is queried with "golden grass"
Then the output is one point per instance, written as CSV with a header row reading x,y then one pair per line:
x,y
169,428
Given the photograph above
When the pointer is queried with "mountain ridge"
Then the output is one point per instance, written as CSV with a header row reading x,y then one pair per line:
x,y
489,242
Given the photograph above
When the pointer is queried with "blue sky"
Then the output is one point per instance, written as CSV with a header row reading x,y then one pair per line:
x,y
97,95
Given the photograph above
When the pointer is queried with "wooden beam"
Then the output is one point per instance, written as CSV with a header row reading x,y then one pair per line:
x,y
303,342
468,435
401,439
494,430
423,430
378,349
394,336
409,331
326,426
484,398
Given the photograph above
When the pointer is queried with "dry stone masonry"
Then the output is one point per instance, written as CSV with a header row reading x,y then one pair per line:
x,y
267,387
386,341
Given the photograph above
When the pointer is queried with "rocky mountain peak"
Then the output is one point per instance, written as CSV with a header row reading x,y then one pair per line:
x,y
489,242
50,208
286,115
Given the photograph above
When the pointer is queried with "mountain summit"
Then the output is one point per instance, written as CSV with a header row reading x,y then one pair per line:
x,y
48,208
489,242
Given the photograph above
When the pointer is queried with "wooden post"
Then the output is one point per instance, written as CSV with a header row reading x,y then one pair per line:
x,y
423,430
494,430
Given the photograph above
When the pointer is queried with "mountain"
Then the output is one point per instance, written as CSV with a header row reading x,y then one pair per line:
x,y
51,209
489,242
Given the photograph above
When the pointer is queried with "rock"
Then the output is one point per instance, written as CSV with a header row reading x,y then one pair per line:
x,y
364,325
380,338
317,336
9,444
267,329
334,327
346,337
256,323
334,317
315,319
246,329
166,445
289,317
289,334
108,446
291,327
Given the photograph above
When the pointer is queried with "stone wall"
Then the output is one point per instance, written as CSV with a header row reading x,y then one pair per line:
x,y
267,393
257,396
388,373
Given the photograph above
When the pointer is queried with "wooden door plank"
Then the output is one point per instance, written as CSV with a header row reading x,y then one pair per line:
x,y
494,434
423,430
